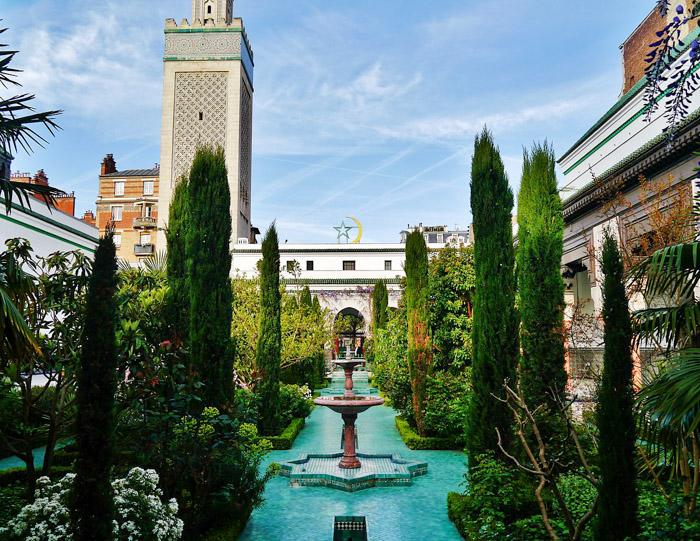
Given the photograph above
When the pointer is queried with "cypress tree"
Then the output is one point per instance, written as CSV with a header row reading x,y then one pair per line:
x,y
495,322
420,354
178,292
541,288
93,506
617,510
208,254
380,305
305,298
269,351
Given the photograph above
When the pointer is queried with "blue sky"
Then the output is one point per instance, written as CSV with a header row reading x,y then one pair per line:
x,y
362,107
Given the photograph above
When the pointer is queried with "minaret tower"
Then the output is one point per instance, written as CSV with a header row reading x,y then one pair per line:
x,y
207,99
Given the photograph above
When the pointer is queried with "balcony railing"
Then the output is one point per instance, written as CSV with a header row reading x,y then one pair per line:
x,y
144,249
144,222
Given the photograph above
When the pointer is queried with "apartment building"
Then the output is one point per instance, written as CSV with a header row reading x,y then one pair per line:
x,y
128,201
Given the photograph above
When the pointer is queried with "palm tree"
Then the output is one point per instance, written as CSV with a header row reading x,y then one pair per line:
x,y
16,289
18,130
669,405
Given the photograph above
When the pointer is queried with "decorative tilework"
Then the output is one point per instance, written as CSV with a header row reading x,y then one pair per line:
x,y
203,45
200,116
246,148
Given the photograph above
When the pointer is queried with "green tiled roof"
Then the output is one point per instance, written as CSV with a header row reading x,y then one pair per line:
x,y
625,99
631,159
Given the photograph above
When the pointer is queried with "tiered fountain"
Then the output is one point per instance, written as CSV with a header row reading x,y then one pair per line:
x,y
350,473
349,406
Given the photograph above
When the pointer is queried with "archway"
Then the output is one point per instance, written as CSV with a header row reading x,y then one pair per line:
x,y
349,328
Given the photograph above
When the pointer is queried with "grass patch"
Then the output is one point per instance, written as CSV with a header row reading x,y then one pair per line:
x,y
286,439
417,442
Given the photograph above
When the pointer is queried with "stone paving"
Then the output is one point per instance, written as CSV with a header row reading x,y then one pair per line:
x,y
404,513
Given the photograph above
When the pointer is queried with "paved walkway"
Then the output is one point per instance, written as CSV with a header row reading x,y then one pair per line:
x,y
414,513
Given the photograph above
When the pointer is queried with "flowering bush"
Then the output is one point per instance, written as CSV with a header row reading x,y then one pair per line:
x,y
141,513
295,402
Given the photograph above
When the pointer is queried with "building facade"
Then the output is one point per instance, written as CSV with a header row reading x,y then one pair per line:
x,y
609,174
342,276
48,230
208,100
63,202
439,234
128,201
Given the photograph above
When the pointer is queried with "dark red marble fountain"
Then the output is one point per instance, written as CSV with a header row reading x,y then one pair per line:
x,y
349,406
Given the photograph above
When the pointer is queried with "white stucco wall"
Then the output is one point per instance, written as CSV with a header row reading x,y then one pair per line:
x,y
48,230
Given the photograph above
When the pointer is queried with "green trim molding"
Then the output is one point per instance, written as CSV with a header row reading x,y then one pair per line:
x,y
339,281
630,160
631,93
397,250
49,221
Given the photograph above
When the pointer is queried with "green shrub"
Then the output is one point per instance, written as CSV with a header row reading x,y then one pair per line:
x,y
390,367
12,499
417,442
19,475
446,405
295,402
498,496
228,532
660,520
286,439
247,406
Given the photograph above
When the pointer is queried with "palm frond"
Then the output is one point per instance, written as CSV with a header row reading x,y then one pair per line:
x,y
669,406
14,330
19,124
23,193
156,263
671,271
671,325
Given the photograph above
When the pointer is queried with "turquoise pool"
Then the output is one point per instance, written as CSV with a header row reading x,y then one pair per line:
x,y
414,513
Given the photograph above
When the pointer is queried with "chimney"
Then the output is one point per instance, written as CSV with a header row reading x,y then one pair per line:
x,y
108,165
40,178
89,217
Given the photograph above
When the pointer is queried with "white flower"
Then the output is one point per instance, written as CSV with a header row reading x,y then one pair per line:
x,y
138,502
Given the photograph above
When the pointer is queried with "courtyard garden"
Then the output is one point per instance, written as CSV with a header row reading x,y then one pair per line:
x,y
166,401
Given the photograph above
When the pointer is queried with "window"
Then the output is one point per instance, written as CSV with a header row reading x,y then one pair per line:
x,y
117,214
293,266
145,239
309,265
387,264
441,238
117,240
209,10
119,188
348,265
147,187
147,211
201,115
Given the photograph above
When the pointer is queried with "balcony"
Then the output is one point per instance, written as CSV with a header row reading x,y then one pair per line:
x,y
144,222
144,249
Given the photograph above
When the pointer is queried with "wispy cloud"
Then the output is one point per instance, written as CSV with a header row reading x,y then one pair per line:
x,y
97,67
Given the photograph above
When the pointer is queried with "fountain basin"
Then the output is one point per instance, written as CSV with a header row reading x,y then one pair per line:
x,y
349,406
376,470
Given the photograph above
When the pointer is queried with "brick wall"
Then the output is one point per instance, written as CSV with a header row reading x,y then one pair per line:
x,y
635,49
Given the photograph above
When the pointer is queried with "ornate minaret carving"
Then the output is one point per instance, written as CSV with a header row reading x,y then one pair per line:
x,y
208,100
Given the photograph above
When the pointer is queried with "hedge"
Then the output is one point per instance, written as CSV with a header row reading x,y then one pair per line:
x,y
285,440
416,442
455,511
230,531
19,475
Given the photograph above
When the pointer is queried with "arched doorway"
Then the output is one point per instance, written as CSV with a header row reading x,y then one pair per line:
x,y
349,328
